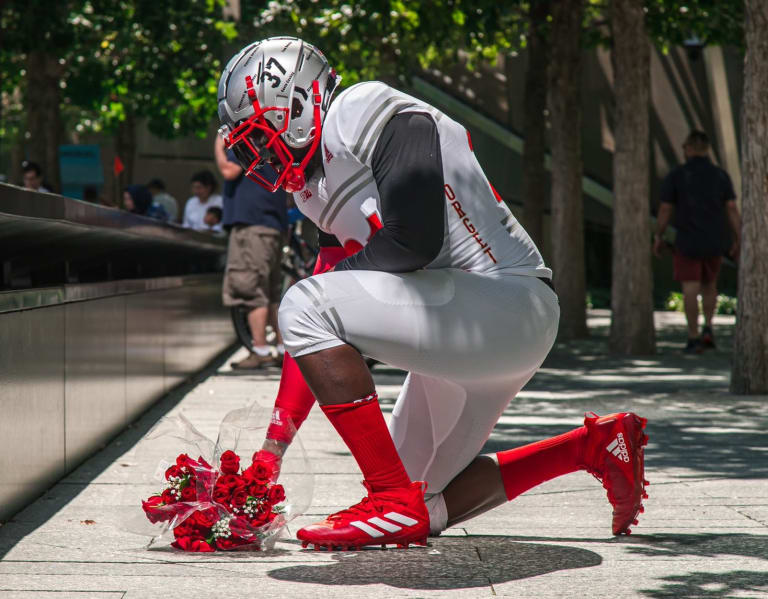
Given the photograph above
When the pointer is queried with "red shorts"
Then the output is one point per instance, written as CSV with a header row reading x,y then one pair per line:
x,y
704,270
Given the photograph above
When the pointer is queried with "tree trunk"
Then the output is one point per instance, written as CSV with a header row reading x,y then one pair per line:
x,y
750,352
567,202
535,101
44,118
632,331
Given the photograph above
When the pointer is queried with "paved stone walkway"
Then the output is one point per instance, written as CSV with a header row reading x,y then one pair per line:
x,y
704,533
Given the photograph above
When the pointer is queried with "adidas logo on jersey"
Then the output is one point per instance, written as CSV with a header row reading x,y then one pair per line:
x,y
619,448
374,526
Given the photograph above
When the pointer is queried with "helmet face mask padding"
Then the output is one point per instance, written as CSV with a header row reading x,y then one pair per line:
x,y
266,113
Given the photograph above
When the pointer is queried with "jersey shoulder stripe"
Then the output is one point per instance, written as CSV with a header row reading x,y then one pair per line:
x,y
358,116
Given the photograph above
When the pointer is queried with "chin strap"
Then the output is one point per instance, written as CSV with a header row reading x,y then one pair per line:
x,y
295,179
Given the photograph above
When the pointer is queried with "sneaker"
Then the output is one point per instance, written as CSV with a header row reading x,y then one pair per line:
x,y
707,338
392,517
254,361
614,455
694,346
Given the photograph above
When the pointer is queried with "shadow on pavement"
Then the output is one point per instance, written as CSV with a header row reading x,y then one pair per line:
x,y
449,563
709,585
69,487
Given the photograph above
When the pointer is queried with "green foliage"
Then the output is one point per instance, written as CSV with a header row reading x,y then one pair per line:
x,y
375,39
725,304
674,302
714,22
673,22
157,60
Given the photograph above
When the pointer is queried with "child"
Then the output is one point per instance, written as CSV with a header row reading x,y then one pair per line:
x,y
212,219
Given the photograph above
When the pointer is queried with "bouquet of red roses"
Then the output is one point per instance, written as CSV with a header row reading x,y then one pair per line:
x,y
216,502
241,508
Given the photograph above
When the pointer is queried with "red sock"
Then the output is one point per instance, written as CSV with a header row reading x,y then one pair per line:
x,y
526,467
294,399
363,429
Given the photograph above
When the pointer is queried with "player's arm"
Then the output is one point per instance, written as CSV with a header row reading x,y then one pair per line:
x,y
732,214
664,217
408,170
734,220
230,169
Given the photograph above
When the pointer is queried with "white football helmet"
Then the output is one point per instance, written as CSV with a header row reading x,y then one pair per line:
x,y
273,96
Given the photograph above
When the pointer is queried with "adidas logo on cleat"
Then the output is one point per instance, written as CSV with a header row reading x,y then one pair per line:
x,y
388,524
619,448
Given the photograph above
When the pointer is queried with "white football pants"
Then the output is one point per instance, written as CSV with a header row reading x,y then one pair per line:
x,y
469,342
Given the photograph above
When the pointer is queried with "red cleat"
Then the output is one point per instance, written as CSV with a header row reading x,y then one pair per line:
x,y
614,455
392,517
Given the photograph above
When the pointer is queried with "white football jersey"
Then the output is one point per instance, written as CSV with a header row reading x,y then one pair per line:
x,y
480,233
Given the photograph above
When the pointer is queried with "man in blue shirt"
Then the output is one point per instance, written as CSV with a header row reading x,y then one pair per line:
x,y
256,220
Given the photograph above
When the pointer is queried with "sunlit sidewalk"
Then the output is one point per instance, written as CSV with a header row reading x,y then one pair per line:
x,y
704,532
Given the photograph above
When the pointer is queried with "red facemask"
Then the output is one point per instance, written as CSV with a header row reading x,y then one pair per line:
x,y
256,143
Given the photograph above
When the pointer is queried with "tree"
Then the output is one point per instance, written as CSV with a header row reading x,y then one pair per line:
x,y
750,363
567,203
101,65
33,35
534,184
156,62
632,329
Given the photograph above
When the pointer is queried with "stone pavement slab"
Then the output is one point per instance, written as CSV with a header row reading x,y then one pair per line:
x,y
704,532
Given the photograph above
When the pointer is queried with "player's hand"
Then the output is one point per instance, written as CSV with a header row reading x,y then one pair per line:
x,y
658,245
272,452
735,249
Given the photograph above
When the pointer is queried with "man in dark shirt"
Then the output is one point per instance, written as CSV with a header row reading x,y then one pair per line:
x,y
699,195
256,220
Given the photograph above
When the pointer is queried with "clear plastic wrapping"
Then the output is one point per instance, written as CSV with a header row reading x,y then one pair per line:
x,y
203,496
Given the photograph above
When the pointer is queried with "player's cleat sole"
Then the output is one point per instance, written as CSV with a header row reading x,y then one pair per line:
x,y
615,455
358,547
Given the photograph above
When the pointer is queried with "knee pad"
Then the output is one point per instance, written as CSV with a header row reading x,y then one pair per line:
x,y
306,321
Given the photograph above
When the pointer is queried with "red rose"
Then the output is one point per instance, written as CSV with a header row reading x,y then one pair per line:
x,y
275,494
173,471
240,526
260,518
183,460
265,457
257,490
185,529
239,497
230,542
230,481
230,462
167,497
221,495
206,518
188,493
192,544
153,510
262,472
